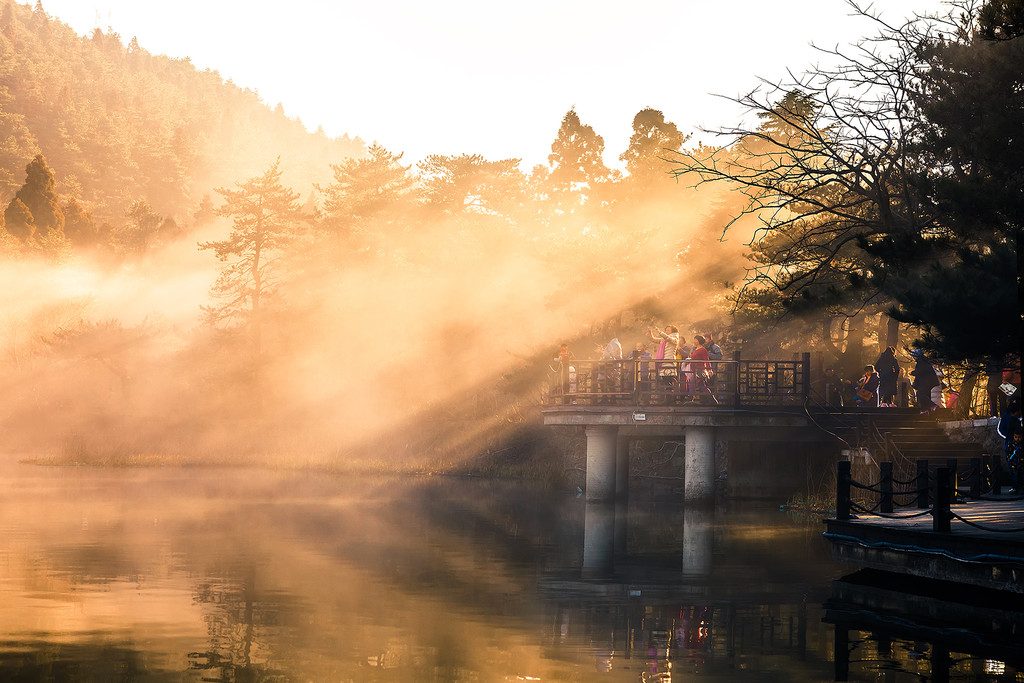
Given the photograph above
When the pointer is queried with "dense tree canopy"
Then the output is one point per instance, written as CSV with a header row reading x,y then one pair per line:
x,y
892,180
369,200
971,100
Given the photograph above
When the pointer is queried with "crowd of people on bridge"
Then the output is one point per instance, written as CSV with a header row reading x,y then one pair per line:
x,y
676,367
668,364
878,385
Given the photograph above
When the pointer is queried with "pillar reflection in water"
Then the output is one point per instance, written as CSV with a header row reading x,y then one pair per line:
x,y
698,536
599,540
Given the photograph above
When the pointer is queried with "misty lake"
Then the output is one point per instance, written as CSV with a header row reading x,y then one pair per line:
x,y
167,574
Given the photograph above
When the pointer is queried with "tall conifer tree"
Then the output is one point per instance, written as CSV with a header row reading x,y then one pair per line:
x,y
265,217
39,196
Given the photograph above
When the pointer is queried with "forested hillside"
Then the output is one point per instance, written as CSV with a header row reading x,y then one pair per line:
x,y
118,125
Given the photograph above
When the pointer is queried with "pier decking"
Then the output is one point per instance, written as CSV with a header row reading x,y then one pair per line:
x,y
978,541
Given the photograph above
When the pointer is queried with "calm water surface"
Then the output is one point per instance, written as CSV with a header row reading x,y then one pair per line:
x,y
244,575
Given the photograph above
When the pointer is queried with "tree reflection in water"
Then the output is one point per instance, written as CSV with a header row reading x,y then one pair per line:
x,y
252,575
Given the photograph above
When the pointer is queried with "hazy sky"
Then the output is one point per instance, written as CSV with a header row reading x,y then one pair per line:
x,y
474,76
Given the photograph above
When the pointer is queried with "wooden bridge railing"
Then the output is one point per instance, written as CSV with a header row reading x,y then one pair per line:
x,y
725,383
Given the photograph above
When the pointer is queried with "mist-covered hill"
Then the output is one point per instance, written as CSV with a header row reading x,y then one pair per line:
x,y
118,124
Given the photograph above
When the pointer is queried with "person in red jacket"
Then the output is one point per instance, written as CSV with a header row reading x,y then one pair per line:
x,y
701,369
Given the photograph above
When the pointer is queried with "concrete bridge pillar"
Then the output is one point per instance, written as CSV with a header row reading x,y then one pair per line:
x,y
622,468
699,474
601,462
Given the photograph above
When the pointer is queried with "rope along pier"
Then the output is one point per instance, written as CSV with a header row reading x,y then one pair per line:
x,y
933,491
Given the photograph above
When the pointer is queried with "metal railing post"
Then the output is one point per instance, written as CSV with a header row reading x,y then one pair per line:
x,y
805,365
563,382
843,490
940,510
885,486
737,399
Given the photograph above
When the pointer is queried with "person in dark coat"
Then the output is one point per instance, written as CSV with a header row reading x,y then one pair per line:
x,y
888,369
642,370
1009,429
924,379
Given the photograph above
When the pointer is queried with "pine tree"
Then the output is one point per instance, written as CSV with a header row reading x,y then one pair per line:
x,y
653,138
18,220
79,224
369,200
972,102
38,194
576,155
265,217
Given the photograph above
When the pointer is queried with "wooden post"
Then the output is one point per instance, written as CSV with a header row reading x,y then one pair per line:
x,y
843,490
997,475
885,486
954,482
921,484
942,664
940,510
976,476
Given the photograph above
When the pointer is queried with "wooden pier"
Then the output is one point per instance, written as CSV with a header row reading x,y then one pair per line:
x,y
943,536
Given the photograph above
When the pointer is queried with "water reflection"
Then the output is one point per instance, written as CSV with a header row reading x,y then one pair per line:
x,y
937,630
236,575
